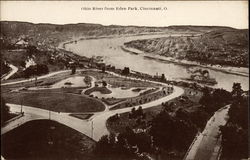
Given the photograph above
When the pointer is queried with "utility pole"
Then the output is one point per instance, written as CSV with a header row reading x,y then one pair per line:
x,y
36,81
92,129
21,105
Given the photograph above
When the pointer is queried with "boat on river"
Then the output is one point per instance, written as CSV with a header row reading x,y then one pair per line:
x,y
200,76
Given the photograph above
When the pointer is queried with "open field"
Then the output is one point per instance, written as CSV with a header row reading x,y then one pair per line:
x,y
118,81
47,140
32,83
103,90
59,102
143,98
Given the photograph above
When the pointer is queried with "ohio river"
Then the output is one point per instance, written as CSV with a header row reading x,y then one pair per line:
x,y
110,50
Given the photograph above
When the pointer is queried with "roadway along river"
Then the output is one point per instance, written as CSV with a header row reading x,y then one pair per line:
x,y
110,49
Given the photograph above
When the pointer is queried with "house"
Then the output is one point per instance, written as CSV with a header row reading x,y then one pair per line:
x,y
21,43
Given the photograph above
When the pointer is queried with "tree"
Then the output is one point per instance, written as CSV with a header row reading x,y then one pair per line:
x,y
169,132
73,69
104,84
126,71
236,91
36,70
4,68
103,69
4,111
234,142
163,78
182,114
235,132
212,101
161,130
139,111
206,97
143,141
112,145
87,80
103,146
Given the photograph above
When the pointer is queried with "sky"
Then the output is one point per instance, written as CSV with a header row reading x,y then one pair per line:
x,y
209,13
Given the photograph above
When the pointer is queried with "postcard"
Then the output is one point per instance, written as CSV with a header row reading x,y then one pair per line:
x,y
124,80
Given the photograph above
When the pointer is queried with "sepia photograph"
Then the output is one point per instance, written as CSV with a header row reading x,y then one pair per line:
x,y
124,80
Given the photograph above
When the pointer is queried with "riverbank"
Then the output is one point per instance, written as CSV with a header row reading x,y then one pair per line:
x,y
108,52
240,71
61,45
137,74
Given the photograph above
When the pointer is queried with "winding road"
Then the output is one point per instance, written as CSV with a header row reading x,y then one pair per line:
x,y
97,121
14,69
207,145
40,77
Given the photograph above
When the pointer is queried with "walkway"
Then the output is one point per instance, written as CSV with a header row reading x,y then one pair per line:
x,y
98,120
14,69
208,143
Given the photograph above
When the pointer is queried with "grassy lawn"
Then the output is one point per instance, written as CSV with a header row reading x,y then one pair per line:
x,y
41,82
142,98
118,81
112,101
55,101
9,117
15,57
102,90
44,139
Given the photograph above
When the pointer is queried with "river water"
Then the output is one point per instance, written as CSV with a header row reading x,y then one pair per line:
x,y
110,50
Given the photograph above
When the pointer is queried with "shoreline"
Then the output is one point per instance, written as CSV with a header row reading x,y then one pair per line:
x,y
227,70
230,70
160,58
124,35
103,37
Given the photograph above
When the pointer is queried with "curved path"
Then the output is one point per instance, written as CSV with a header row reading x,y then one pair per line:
x,y
99,120
31,113
40,77
84,126
207,145
95,127
14,69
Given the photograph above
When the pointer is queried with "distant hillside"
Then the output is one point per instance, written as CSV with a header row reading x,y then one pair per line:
x,y
199,28
52,34
22,41
224,46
